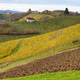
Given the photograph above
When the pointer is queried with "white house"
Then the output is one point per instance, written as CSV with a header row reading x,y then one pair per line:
x,y
30,19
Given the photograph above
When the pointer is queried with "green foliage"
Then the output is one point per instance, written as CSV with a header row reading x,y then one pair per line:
x,y
6,25
4,17
66,12
17,47
29,10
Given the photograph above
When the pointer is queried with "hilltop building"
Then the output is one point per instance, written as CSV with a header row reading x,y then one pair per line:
x,y
8,13
30,19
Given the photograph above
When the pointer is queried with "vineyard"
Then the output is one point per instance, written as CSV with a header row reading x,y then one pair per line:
x,y
37,17
37,44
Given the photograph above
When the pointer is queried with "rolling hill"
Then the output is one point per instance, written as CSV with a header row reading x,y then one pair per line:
x,y
37,16
27,47
60,34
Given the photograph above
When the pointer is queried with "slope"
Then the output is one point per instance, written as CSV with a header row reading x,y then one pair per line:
x,y
64,61
37,16
4,17
68,75
38,44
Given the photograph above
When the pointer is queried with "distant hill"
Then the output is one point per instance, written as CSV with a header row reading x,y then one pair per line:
x,y
5,11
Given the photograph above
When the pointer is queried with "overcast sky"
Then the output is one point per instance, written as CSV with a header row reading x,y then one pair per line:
x,y
40,5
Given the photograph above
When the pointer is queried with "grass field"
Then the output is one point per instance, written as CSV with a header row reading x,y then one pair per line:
x,y
4,17
67,75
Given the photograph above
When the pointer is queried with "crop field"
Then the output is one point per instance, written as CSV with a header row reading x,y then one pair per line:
x,y
38,44
64,61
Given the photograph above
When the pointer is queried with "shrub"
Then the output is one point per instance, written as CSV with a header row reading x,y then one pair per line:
x,y
1,30
26,31
6,25
9,30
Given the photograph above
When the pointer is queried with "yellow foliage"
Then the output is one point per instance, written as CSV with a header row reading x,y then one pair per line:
x,y
1,30
37,44
36,16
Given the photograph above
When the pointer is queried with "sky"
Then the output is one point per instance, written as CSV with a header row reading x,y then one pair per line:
x,y
40,5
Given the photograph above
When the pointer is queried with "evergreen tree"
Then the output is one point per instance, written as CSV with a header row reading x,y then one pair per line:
x,y
29,10
66,12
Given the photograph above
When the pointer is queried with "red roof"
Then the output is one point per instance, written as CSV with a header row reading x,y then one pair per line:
x,y
9,13
30,18
70,12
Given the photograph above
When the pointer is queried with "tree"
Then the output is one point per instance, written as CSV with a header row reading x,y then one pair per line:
x,y
8,30
29,10
66,12
26,31
1,30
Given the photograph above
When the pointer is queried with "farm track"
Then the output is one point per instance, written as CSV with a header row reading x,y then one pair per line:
x,y
64,61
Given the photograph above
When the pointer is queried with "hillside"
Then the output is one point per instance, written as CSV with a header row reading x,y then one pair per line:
x,y
48,25
4,17
17,16
37,16
27,47
63,61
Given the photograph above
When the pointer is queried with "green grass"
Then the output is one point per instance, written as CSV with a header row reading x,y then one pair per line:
x,y
17,48
41,26
4,38
49,25
4,17
66,75
47,53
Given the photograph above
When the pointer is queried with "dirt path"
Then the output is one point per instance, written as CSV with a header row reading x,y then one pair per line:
x,y
69,60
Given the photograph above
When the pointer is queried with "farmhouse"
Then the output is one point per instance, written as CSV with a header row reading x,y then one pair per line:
x,y
30,19
3,22
8,13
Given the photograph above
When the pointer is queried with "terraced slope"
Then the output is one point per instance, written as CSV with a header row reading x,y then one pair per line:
x,y
38,44
64,61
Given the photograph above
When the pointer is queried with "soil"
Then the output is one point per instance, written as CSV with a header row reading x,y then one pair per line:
x,y
64,61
